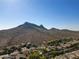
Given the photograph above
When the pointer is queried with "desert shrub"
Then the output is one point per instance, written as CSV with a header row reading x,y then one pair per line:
x,y
6,51
59,41
22,58
42,57
34,55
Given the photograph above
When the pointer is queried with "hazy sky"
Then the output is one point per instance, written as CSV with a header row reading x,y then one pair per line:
x,y
62,14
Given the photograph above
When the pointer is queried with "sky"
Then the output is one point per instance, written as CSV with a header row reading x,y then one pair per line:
x,y
61,14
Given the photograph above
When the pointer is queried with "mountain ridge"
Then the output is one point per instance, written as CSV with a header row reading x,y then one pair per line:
x,y
36,34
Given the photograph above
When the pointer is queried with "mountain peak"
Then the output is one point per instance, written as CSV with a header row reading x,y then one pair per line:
x,y
54,29
27,24
41,26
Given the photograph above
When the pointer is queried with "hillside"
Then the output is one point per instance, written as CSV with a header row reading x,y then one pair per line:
x,y
33,33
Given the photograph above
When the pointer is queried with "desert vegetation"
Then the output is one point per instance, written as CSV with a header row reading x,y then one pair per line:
x,y
48,50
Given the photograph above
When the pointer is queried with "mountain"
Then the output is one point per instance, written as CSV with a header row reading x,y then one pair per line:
x,y
33,33
64,33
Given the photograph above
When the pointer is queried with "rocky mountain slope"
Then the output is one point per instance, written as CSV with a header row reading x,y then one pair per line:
x,y
29,32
